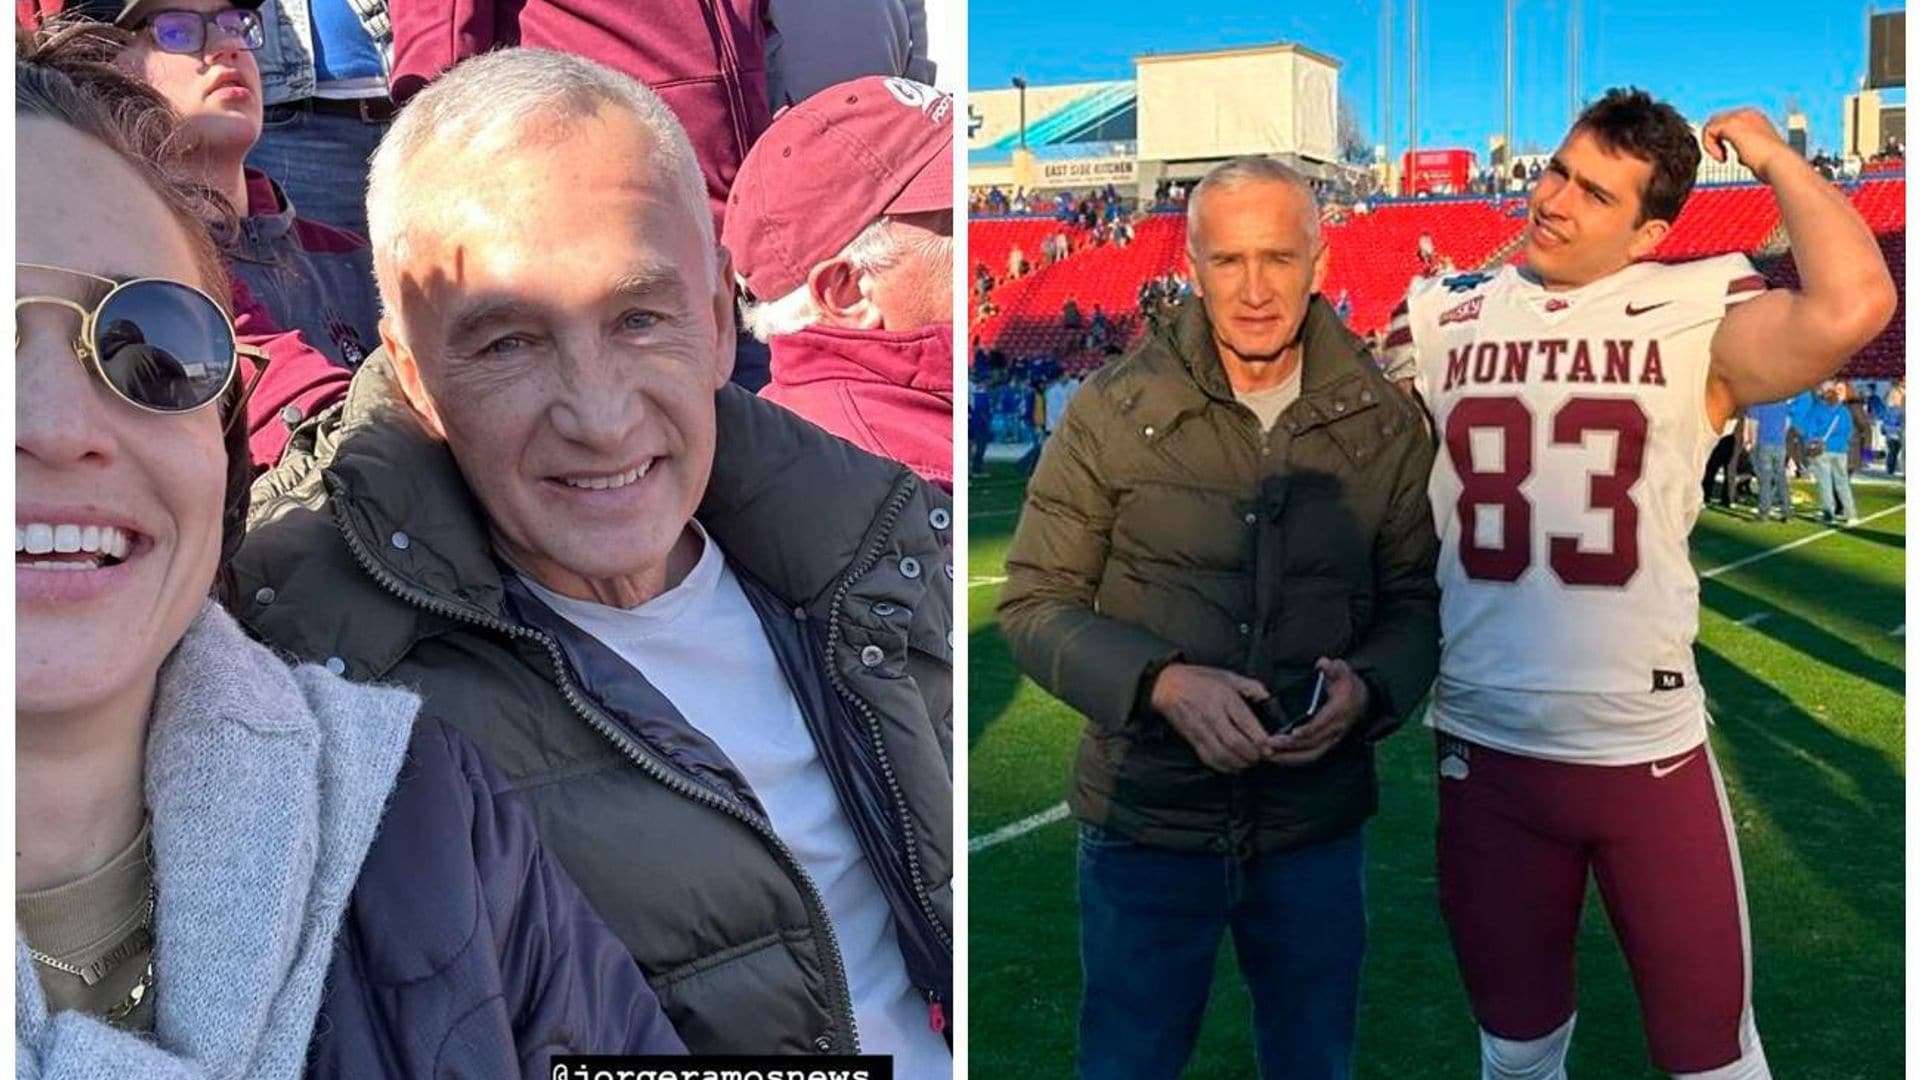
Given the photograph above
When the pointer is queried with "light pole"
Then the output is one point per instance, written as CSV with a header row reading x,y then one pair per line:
x,y
1020,84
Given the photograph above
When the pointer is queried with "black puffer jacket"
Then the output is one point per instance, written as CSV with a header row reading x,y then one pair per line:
x,y
1163,524
367,553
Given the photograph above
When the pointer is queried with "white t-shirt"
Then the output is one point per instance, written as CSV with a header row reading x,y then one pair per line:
x,y
701,645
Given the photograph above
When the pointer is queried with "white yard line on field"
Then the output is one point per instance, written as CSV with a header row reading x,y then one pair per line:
x,y
974,583
1025,825
1755,619
1791,544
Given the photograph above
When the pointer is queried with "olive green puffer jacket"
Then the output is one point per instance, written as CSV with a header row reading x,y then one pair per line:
x,y
1163,524
366,552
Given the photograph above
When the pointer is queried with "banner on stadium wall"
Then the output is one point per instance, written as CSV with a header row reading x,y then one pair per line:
x,y
1089,172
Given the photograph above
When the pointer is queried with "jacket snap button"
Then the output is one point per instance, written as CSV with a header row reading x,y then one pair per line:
x,y
1339,406
939,518
1366,397
872,655
800,614
265,595
884,609
1148,431
1244,629
909,567
336,665
401,541
1250,517
823,1044
291,416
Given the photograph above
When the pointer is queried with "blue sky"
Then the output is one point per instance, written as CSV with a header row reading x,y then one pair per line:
x,y
1704,55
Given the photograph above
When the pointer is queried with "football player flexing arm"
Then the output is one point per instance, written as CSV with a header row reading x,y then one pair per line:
x,y
1576,398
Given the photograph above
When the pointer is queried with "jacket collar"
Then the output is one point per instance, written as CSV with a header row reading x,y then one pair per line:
x,y
1333,381
269,213
266,786
917,359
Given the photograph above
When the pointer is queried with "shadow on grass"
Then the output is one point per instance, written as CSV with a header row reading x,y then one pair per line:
x,y
992,680
1847,829
1791,630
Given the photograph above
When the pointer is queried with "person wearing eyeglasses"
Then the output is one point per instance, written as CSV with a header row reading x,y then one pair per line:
x,y
227,867
202,57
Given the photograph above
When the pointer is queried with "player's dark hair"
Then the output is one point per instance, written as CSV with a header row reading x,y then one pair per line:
x,y
1629,121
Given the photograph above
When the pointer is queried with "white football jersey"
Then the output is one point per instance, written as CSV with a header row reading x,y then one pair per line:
x,y
1573,434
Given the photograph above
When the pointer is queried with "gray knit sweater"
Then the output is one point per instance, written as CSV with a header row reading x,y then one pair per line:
x,y
266,786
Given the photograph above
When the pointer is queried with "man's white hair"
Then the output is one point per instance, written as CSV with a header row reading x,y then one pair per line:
x,y
879,247
1250,170
497,101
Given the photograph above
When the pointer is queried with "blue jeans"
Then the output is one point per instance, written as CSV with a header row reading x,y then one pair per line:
x,y
1770,465
1830,469
1150,928
320,161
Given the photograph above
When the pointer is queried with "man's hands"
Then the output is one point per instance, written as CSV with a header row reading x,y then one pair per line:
x,y
1750,134
1210,709
1347,701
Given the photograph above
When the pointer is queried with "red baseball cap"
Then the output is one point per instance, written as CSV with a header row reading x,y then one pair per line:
x,y
827,168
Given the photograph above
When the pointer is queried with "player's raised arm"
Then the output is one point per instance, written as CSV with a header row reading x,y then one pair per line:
x,y
1789,339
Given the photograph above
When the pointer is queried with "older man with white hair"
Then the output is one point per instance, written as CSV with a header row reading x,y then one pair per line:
x,y
1226,565
708,644
841,227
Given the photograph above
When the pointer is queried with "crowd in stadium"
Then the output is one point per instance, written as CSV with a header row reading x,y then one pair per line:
x,y
425,360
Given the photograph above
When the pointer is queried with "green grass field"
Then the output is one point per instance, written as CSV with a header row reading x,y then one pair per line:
x,y
1808,702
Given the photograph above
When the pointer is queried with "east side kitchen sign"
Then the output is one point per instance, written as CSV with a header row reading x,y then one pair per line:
x,y
1085,171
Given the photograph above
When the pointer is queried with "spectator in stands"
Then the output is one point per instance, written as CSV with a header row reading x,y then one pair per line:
x,y
1343,307
1132,595
841,228
1768,424
1122,233
1020,205
1099,329
1016,263
988,308
1828,426
547,442
1070,315
199,55
1423,250
707,62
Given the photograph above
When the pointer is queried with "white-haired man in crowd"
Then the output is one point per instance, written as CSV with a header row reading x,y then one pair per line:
x,y
706,643
841,227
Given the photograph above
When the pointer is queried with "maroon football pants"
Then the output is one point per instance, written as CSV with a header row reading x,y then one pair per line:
x,y
1517,837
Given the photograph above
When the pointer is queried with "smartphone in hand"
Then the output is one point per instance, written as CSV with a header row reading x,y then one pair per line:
x,y
1281,713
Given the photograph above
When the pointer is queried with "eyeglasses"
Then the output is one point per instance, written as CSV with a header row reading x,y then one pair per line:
x,y
159,345
186,31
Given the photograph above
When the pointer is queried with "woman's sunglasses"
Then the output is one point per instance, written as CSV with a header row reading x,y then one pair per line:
x,y
160,345
186,31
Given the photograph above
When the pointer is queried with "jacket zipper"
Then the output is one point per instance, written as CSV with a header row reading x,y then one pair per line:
x,y
648,764
889,517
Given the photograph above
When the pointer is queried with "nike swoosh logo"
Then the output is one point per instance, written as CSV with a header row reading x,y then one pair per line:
x,y
1631,310
1660,773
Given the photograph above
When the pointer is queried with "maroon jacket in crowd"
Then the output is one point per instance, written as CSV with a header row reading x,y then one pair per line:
x,y
705,58
300,380
888,393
